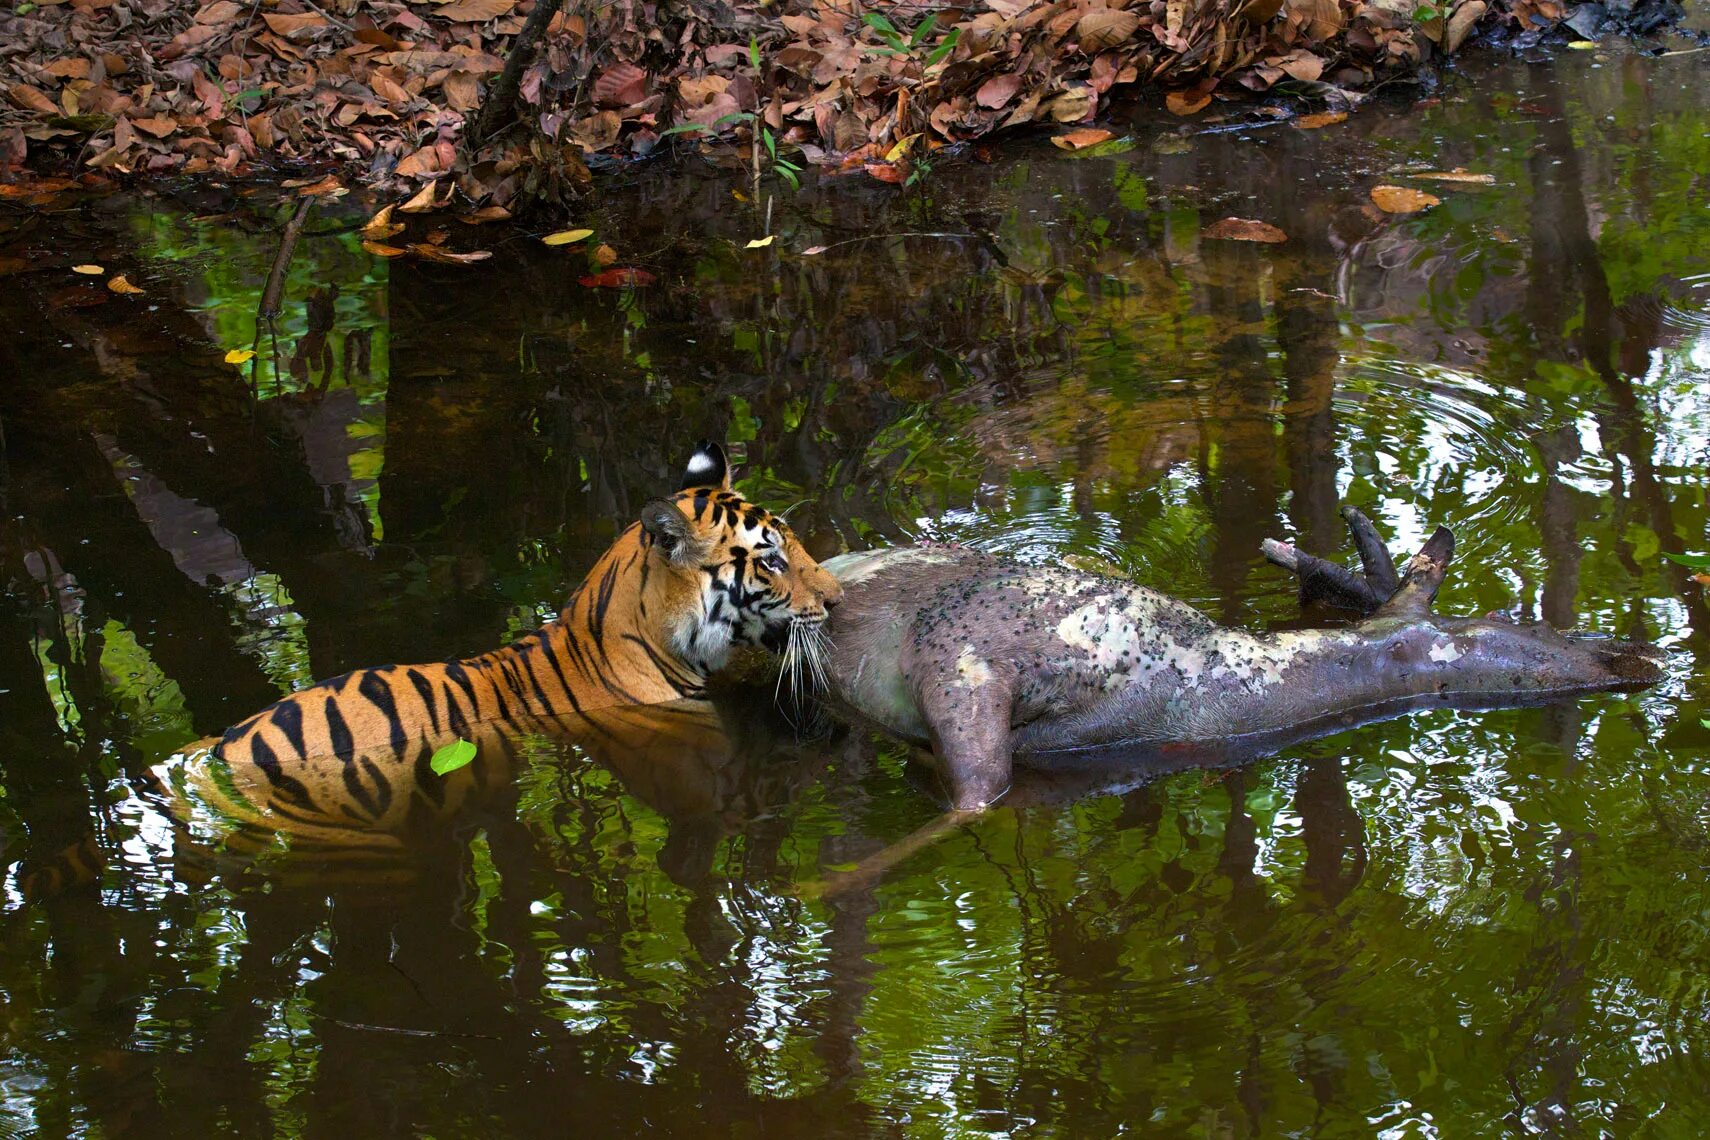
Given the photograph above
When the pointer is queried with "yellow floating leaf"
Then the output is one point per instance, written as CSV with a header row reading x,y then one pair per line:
x,y
901,148
240,356
88,270
567,237
1465,178
120,285
1401,200
760,243
1081,139
1320,119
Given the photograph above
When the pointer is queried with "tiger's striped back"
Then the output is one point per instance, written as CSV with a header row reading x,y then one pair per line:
x,y
702,572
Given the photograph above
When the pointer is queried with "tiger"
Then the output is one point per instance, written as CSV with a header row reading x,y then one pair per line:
x,y
698,575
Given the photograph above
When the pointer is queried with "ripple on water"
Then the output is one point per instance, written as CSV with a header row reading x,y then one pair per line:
x,y
1441,445
1686,310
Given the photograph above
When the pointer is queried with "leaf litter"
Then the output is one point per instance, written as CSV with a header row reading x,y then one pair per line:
x,y
384,92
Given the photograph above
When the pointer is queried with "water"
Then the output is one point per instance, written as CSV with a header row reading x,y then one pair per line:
x,y
1450,923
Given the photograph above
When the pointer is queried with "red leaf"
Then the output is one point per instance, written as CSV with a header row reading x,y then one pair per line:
x,y
885,172
618,279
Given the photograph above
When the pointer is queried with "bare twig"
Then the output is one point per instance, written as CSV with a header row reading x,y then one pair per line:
x,y
273,295
502,95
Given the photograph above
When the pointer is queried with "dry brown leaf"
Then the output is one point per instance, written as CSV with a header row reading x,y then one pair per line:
x,y
1320,119
88,270
120,285
73,68
475,11
30,99
622,84
423,162
1073,106
1461,24
295,27
218,12
1244,229
445,257
484,215
380,249
381,224
885,172
1186,102
1401,200
462,91
604,255
1104,28
997,91
159,126
1085,137
1464,177
328,185
422,202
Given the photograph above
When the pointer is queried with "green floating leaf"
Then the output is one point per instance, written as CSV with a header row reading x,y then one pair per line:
x,y
1690,561
452,757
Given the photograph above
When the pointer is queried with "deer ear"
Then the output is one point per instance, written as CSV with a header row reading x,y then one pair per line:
x,y
707,467
669,529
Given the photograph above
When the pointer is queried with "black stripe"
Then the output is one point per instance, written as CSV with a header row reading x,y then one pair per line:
x,y
552,659
431,783
379,694
265,759
338,732
425,691
288,718
382,786
666,669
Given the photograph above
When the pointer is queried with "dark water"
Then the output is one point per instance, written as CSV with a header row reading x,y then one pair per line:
x,y
1451,923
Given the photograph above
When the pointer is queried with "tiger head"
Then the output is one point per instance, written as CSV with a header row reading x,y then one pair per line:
x,y
731,572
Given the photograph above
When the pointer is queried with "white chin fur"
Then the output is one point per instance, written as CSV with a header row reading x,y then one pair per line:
x,y
706,644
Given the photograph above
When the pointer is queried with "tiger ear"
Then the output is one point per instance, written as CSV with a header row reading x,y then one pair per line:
x,y
707,468
670,530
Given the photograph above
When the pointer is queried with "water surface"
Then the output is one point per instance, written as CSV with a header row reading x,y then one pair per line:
x,y
1450,923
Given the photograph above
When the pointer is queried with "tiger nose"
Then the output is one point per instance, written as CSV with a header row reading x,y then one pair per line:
x,y
832,593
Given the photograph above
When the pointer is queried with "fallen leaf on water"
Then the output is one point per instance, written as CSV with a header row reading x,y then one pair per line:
x,y
422,202
1244,229
240,356
566,237
1320,119
618,279
1702,580
381,225
884,172
1464,177
453,756
327,185
88,270
120,285
1186,102
381,249
1401,200
760,243
1085,137
813,249
445,257
484,215
604,255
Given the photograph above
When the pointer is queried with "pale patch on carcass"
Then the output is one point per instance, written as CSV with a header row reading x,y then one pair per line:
x,y
1446,651
971,670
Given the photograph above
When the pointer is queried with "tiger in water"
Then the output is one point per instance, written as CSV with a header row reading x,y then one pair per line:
x,y
699,574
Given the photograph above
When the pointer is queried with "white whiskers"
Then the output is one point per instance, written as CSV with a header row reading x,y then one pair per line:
x,y
804,659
